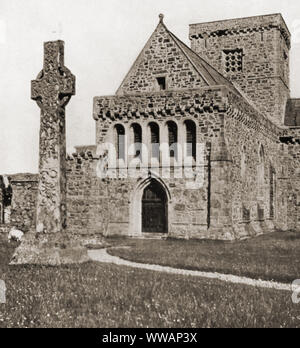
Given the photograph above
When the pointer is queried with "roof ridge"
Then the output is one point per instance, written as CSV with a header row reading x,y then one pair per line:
x,y
206,72
138,57
203,62
175,38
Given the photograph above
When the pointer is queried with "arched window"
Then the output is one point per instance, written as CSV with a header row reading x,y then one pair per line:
x,y
243,162
261,154
261,171
262,162
272,192
137,139
155,140
190,128
173,138
1,214
120,141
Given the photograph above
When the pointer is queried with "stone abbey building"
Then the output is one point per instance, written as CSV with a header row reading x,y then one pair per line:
x,y
224,108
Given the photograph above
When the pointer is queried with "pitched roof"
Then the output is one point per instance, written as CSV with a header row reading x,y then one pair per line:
x,y
292,113
206,72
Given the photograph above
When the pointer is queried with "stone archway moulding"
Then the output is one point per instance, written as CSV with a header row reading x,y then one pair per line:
x,y
135,225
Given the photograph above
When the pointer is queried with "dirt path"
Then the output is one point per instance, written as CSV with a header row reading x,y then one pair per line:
x,y
103,256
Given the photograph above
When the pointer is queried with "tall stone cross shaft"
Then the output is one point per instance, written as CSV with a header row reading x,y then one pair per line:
x,y
52,90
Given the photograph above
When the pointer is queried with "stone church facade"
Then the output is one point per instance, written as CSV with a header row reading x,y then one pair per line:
x,y
223,106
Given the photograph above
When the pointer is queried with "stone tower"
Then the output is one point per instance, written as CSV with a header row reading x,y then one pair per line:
x,y
253,53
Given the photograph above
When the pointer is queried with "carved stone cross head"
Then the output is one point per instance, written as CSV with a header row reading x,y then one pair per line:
x,y
55,84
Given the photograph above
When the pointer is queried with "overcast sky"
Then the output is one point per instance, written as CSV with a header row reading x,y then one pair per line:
x,y
102,39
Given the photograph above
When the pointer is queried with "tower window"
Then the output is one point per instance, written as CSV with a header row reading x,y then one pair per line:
x,y
161,81
233,60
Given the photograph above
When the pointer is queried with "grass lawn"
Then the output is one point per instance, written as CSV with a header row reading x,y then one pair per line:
x,y
98,295
270,257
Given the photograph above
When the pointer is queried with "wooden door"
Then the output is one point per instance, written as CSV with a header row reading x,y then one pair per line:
x,y
154,209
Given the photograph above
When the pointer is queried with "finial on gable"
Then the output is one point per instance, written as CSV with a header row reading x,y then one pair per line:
x,y
161,18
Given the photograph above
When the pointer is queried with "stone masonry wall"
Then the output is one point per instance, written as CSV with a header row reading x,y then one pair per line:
x,y
292,177
198,105
99,207
229,194
23,207
3,228
161,58
103,206
1,200
265,41
251,203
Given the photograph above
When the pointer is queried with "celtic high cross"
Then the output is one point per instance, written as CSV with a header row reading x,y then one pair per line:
x,y
52,90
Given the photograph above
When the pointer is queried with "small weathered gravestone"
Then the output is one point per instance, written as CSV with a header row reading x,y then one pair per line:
x,y
52,90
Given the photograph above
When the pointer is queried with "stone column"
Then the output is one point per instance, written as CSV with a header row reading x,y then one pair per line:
x,y
220,191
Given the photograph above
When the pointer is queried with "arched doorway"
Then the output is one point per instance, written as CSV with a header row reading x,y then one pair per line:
x,y
154,209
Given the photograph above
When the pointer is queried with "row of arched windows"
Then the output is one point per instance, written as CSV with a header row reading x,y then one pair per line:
x,y
137,138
